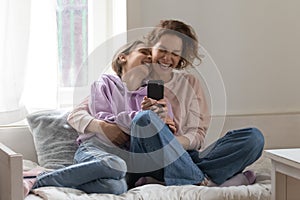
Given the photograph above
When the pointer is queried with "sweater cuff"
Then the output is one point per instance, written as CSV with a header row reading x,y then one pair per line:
x,y
80,121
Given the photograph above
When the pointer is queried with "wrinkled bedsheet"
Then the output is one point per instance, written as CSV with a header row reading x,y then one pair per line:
x,y
260,190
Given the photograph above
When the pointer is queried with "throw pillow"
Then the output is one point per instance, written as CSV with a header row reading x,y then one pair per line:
x,y
54,138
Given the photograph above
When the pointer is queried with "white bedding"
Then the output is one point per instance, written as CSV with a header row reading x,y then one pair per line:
x,y
148,192
260,190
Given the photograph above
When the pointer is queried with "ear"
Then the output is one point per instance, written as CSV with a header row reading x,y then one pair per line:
x,y
122,59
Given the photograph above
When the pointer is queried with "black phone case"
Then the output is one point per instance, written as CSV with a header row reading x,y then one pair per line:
x,y
155,89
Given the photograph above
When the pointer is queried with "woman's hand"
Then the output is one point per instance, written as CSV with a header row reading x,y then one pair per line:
x,y
171,124
184,141
112,132
159,107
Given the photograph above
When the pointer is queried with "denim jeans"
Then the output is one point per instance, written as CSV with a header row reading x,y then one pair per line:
x,y
220,161
94,171
156,152
230,154
153,147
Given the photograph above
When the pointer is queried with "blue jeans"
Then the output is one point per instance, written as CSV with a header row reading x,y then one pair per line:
x,y
94,171
220,161
154,147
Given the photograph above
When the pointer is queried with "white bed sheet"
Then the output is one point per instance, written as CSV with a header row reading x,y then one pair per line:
x,y
260,190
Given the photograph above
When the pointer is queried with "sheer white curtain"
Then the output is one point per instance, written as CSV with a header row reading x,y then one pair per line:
x,y
29,73
41,76
28,58
14,35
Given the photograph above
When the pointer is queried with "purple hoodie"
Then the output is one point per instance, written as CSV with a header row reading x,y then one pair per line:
x,y
111,101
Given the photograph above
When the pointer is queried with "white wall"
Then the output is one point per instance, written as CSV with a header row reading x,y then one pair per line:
x,y
254,43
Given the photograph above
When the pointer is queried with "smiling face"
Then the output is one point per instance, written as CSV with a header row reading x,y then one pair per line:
x,y
140,56
166,54
136,66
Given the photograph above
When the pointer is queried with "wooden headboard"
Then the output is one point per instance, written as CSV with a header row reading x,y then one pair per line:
x,y
11,183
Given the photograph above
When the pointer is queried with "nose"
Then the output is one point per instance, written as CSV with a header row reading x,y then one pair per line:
x,y
149,58
167,56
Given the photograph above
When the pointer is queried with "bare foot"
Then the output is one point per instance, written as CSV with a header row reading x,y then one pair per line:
x,y
245,178
250,175
33,172
204,182
29,179
27,185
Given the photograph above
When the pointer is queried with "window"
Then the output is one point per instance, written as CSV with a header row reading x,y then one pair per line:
x,y
61,36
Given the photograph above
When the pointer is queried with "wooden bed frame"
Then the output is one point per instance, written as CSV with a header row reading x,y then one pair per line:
x,y
11,184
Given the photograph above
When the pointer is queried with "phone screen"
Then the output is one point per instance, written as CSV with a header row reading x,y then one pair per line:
x,y
155,89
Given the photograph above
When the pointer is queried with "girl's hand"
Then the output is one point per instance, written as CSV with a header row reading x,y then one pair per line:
x,y
113,133
159,107
147,103
161,111
171,124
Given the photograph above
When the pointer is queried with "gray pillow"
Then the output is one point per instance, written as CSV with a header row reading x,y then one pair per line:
x,y
54,138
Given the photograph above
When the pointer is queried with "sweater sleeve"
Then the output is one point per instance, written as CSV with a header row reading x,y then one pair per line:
x,y
198,117
107,103
79,118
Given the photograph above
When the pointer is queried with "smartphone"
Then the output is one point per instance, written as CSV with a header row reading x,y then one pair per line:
x,y
155,89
